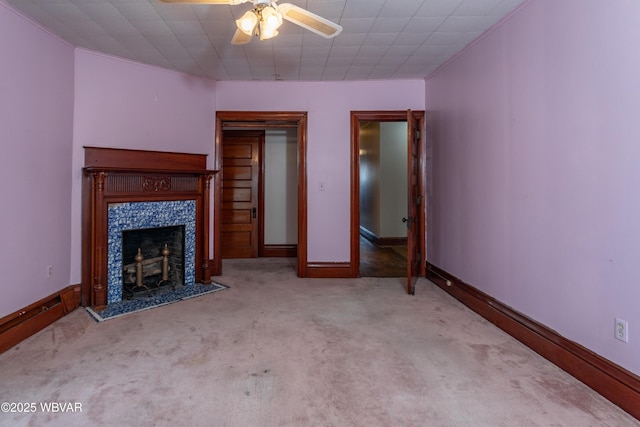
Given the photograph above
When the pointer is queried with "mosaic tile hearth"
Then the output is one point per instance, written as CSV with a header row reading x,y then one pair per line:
x,y
135,215
131,306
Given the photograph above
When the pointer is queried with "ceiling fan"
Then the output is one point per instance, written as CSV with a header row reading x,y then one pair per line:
x,y
266,17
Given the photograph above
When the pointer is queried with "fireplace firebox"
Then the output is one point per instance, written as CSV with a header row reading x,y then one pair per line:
x,y
153,261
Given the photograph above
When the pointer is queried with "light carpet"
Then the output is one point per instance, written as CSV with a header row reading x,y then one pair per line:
x,y
276,350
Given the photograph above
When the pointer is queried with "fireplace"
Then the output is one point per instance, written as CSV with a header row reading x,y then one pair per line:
x,y
143,200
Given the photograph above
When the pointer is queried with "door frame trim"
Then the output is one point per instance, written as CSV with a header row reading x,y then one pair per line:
x,y
253,120
382,116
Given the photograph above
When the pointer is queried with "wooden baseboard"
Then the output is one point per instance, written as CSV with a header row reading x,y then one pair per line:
x,y
615,383
382,241
212,268
329,270
284,251
18,326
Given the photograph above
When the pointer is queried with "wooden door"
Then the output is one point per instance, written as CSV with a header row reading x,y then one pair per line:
x,y
241,166
414,202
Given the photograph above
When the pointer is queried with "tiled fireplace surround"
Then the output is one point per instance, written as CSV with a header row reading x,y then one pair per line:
x,y
141,215
134,189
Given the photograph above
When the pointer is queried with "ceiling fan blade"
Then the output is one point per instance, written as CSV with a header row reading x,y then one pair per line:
x,y
231,2
309,20
240,37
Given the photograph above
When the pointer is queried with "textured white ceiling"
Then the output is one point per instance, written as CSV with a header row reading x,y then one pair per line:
x,y
381,39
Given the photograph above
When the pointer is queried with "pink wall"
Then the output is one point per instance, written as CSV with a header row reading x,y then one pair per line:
x,y
36,123
123,104
536,149
328,142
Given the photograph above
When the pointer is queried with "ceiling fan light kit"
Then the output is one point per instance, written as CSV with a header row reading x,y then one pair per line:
x,y
266,17
269,23
262,21
248,22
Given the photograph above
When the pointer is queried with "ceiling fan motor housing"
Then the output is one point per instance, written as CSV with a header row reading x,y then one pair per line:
x,y
260,4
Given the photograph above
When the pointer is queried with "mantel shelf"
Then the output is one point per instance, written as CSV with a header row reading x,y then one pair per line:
x,y
140,171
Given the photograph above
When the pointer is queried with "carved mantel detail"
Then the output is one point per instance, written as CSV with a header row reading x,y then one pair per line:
x,y
116,176
156,183
99,178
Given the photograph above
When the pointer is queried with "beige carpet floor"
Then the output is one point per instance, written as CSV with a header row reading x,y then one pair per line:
x,y
275,350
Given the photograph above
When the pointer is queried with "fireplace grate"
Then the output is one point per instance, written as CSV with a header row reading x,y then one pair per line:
x,y
156,258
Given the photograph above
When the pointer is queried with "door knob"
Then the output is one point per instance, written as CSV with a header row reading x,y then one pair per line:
x,y
409,220
253,212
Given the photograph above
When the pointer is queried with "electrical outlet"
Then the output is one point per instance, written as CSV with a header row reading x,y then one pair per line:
x,y
50,271
622,330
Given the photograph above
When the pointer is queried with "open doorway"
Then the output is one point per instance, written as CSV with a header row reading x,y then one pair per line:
x,y
414,187
275,126
383,171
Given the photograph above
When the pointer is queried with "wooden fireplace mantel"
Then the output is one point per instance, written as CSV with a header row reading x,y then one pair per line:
x,y
118,176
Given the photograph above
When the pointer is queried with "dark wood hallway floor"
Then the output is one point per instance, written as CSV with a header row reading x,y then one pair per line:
x,y
382,261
